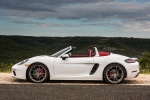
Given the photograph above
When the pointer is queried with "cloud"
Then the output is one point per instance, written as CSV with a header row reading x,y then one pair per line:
x,y
109,10
44,24
41,5
76,9
134,14
136,26
49,24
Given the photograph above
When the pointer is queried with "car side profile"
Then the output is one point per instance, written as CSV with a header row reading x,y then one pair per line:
x,y
64,65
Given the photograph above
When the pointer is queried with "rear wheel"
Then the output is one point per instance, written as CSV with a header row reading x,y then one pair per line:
x,y
37,73
114,73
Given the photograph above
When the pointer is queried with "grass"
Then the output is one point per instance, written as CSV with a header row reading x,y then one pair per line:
x,y
145,71
4,67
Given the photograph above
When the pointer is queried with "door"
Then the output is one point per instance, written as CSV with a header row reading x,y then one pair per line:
x,y
77,66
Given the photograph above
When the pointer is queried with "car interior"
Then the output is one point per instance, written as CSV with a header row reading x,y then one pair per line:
x,y
90,53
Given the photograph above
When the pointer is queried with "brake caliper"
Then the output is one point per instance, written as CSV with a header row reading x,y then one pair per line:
x,y
42,71
110,72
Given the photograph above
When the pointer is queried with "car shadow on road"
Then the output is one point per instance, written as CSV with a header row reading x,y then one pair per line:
x,y
74,82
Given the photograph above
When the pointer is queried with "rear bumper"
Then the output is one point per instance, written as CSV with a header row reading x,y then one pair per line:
x,y
133,70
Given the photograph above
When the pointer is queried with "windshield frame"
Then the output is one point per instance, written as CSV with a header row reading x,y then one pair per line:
x,y
61,52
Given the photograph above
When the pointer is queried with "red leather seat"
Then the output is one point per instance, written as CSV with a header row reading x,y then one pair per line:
x,y
104,53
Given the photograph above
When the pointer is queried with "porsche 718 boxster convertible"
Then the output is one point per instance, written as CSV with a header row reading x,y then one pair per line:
x,y
63,65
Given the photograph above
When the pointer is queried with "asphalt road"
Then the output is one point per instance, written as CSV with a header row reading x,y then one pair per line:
x,y
73,92
131,89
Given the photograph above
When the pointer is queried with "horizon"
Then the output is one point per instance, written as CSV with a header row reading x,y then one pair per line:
x,y
73,36
106,18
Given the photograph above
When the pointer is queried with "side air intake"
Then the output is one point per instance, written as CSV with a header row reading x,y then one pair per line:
x,y
95,67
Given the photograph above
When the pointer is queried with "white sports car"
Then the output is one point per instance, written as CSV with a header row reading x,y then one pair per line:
x,y
63,65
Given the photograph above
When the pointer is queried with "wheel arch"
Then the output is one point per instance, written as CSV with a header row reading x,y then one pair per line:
x,y
38,63
118,64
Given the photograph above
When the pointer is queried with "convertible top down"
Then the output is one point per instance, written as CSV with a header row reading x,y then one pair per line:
x,y
64,65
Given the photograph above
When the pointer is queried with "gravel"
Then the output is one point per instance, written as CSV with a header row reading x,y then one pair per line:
x,y
142,79
131,89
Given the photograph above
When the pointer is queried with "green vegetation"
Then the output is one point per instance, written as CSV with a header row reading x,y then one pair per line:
x,y
16,48
5,67
145,62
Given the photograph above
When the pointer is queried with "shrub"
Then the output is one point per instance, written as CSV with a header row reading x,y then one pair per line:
x,y
145,60
4,67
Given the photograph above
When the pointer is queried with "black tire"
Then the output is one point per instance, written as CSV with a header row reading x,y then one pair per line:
x,y
37,73
114,73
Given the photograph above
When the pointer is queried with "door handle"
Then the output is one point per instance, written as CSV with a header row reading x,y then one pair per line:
x,y
88,62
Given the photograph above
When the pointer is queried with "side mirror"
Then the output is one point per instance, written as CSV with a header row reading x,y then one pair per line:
x,y
65,56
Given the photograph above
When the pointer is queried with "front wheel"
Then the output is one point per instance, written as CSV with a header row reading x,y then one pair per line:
x,y
114,74
37,73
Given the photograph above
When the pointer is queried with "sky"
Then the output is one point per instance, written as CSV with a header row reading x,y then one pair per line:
x,y
108,18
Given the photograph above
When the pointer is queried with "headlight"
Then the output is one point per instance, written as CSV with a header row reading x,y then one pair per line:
x,y
22,62
130,61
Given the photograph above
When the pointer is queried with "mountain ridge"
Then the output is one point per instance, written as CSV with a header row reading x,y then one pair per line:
x,y
16,48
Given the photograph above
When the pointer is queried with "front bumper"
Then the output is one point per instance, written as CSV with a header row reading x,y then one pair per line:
x,y
19,71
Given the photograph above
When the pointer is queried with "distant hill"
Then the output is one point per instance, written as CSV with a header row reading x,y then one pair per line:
x,y
17,48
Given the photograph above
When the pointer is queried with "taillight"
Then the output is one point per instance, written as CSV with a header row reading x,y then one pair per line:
x,y
130,61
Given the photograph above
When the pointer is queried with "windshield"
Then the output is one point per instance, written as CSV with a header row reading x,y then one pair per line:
x,y
60,52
